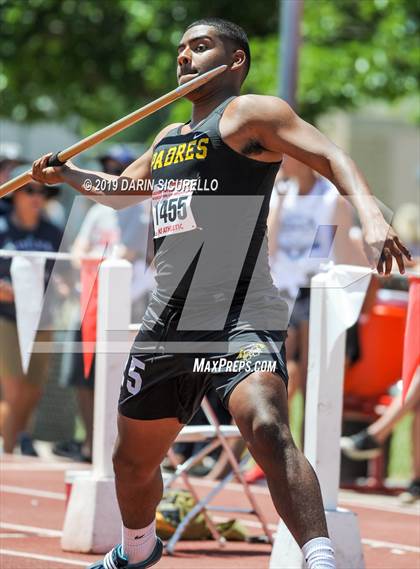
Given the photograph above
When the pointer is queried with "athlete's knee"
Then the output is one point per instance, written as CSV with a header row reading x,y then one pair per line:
x,y
271,436
132,468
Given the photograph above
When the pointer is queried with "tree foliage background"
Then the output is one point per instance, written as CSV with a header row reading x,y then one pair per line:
x,y
100,59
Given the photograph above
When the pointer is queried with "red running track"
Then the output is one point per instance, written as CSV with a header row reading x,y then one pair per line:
x,y
32,506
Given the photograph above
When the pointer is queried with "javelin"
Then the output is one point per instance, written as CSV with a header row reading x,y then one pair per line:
x,y
60,158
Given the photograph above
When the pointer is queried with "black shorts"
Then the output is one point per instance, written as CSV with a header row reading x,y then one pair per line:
x,y
170,370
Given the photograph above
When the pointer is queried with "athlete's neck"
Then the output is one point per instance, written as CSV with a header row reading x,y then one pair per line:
x,y
203,106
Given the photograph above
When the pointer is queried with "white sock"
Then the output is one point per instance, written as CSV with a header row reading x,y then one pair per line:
x,y
319,553
138,544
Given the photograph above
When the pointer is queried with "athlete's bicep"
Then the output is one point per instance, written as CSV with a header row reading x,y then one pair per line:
x,y
280,130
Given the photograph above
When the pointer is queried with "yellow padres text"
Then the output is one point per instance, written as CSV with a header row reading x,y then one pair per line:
x,y
185,151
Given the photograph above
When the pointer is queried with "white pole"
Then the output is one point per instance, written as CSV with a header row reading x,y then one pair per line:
x,y
114,307
290,12
93,522
324,400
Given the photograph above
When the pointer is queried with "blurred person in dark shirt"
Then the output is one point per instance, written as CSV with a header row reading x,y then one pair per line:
x,y
23,228
99,233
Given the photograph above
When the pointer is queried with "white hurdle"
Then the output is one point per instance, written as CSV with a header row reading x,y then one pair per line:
x,y
93,522
336,300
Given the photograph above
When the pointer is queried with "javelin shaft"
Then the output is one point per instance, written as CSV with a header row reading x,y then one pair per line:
x,y
116,127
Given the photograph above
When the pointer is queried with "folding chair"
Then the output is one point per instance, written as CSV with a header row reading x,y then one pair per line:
x,y
219,435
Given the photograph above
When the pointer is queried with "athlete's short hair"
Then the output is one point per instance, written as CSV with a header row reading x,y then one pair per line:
x,y
230,31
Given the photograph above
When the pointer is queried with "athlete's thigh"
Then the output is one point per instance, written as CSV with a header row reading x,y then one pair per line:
x,y
145,441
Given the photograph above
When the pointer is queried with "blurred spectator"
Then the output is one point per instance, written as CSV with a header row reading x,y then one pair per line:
x,y
104,230
136,242
23,228
369,443
10,157
116,159
98,235
308,225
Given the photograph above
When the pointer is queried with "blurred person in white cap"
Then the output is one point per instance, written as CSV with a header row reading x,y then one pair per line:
x,y
23,228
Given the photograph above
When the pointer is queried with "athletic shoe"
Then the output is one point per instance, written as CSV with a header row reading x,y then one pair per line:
x,y
115,559
412,494
360,446
27,445
71,449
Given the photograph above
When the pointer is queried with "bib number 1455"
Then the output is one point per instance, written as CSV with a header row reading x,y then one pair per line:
x,y
170,210
173,215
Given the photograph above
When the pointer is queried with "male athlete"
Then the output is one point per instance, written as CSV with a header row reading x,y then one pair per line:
x,y
215,317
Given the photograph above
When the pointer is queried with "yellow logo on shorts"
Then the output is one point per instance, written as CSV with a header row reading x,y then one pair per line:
x,y
251,351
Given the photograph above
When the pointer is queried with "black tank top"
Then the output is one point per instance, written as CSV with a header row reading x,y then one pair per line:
x,y
210,208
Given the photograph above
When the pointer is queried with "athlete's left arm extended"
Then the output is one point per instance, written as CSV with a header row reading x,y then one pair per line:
x,y
280,130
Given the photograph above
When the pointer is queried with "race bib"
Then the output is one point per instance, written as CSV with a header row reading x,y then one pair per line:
x,y
172,213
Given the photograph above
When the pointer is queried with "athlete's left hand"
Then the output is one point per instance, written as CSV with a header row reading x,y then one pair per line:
x,y
381,252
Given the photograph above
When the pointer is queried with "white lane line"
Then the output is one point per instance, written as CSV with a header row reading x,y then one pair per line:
x,y
28,555
12,535
249,523
43,467
410,511
349,502
32,492
44,532
390,545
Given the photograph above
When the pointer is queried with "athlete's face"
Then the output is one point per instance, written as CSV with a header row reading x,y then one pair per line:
x,y
202,49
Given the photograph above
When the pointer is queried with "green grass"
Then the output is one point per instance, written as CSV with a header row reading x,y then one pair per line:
x,y
399,466
296,417
79,430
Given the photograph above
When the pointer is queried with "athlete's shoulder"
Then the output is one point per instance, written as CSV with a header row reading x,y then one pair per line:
x,y
255,104
261,108
165,131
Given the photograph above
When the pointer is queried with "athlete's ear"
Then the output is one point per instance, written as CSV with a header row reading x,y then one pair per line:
x,y
239,58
